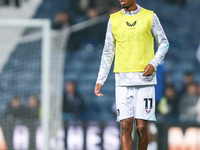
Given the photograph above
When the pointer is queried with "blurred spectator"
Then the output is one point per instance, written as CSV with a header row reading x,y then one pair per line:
x,y
62,20
15,110
167,107
14,114
32,114
188,78
73,104
187,104
92,13
33,107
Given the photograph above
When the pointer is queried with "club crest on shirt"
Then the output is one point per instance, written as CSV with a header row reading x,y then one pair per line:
x,y
131,25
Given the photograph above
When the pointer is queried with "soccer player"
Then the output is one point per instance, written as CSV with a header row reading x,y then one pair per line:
x,y
130,38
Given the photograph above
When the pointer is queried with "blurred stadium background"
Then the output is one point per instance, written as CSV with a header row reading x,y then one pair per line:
x,y
44,44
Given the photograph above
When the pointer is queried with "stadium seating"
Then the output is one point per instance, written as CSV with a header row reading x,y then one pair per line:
x,y
182,30
183,39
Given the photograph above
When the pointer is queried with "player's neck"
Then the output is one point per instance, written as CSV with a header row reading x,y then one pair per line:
x,y
132,8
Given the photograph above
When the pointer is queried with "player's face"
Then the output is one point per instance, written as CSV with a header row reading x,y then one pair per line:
x,y
126,3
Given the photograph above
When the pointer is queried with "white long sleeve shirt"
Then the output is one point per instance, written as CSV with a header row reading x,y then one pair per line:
x,y
132,78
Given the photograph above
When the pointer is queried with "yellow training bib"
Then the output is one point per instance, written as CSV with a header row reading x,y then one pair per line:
x,y
134,43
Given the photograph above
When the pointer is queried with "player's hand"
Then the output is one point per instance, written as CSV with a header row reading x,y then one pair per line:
x,y
97,90
148,70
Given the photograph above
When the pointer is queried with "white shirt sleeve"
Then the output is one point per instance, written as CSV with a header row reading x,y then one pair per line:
x,y
107,56
163,44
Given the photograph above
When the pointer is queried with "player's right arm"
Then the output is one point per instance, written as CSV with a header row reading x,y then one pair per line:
x,y
106,60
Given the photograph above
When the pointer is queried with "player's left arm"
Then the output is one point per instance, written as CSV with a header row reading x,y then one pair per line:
x,y
163,46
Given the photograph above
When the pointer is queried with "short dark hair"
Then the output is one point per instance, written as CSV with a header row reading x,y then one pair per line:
x,y
188,73
16,97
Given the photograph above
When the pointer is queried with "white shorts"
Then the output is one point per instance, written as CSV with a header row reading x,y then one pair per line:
x,y
135,101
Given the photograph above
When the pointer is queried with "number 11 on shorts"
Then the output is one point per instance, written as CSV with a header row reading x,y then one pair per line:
x,y
148,104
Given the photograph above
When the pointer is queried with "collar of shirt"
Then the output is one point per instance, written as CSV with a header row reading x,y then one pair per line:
x,y
131,13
